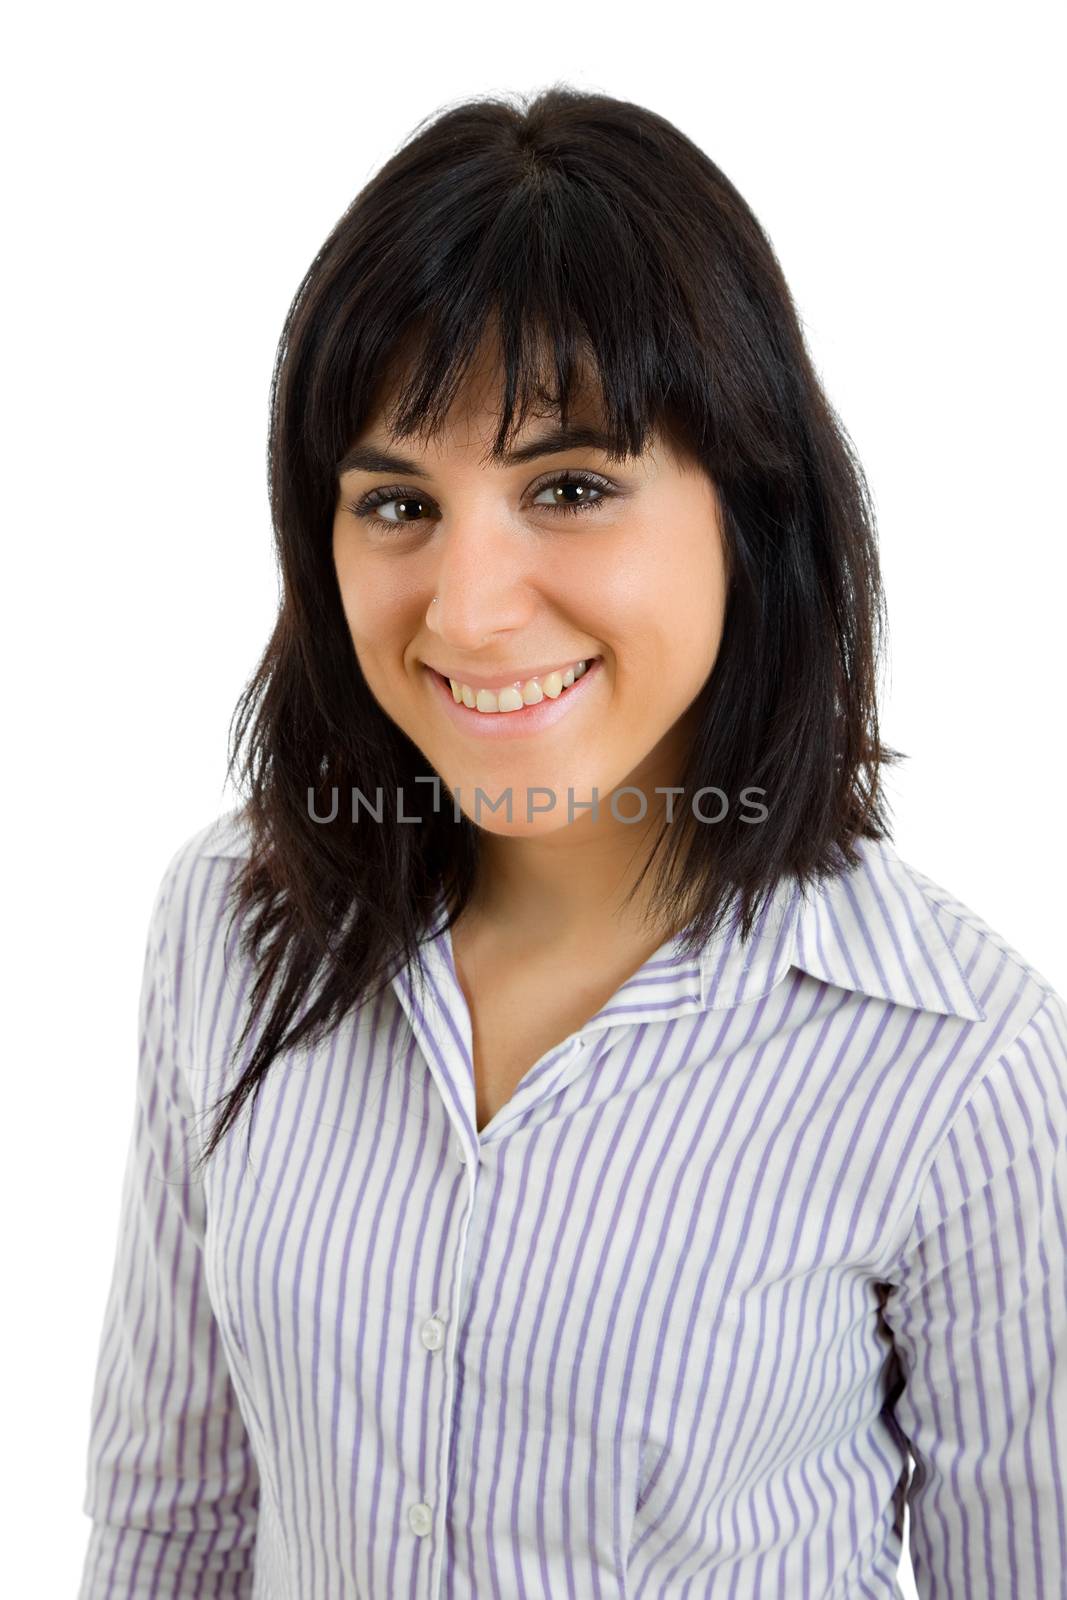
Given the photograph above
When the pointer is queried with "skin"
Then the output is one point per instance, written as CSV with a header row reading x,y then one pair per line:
x,y
640,582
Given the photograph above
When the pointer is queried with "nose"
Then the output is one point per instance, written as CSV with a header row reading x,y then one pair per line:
x,y
482,587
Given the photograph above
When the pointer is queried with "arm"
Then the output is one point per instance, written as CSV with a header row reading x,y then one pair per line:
x,y
172,1487
978,1312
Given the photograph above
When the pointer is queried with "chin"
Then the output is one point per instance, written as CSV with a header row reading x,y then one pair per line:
x,y
532,813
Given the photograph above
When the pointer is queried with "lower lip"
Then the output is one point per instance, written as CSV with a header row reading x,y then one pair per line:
x,y
514,724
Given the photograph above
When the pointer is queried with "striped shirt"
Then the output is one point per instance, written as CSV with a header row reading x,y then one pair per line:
x,y
775,1228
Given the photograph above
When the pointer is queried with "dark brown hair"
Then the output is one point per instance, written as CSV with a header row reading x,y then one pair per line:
x,y
589,234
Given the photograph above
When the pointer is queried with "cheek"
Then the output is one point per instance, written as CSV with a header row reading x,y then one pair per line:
x,y
693,596
347,580
680,645
663,614
376,609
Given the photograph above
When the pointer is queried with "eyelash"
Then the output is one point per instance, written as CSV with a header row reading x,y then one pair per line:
x,y
379,497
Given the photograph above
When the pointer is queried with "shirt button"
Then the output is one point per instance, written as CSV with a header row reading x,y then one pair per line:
x,y
421,1518
461,1152
433,1333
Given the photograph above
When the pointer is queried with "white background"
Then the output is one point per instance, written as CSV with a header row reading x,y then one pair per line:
x,y
170,173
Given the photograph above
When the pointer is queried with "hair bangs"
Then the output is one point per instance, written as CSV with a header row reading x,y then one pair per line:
x,y
568,290
544,371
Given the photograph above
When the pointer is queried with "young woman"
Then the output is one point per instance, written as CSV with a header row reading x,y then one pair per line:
x,y
574,1153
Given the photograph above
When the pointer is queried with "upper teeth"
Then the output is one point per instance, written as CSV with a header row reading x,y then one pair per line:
x,y
515,696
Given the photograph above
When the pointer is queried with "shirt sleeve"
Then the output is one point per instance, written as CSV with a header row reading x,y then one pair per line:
x,y
978,1313
172,1486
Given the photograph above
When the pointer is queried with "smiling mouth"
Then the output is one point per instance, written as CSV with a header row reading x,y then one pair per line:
x,y
517,697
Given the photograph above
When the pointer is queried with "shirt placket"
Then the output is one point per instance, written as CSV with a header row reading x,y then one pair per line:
x,y
440,1019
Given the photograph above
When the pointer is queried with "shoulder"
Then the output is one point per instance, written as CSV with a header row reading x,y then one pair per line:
x,y
224,838
1019,1081
1011,1046
191,900
1008,987
975,1034
891,931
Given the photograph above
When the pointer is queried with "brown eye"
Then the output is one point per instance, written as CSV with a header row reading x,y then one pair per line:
x,y
572,492
409,506
407,510
576,492
586,495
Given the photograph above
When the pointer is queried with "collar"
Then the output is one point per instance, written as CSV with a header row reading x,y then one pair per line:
x,y
874,930
878,930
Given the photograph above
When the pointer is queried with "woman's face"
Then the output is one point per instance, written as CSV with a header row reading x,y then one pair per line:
x,y
635,585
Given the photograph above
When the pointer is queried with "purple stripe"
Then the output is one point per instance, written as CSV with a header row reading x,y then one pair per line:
x,y
678,1276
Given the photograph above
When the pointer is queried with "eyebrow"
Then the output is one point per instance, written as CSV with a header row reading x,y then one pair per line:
x,y
369,458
